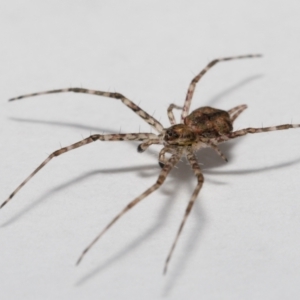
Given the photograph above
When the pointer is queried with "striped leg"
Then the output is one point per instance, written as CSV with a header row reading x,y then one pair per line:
x,y
219,152
161,178
170,113
245,131
195,166
144,146
149,119
236,111
193,83
90,139
161,158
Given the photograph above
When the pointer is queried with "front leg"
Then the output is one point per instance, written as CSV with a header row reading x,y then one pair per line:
x,y
140,112
162,157
90,139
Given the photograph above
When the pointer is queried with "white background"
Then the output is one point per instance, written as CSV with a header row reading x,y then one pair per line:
x,y
242,239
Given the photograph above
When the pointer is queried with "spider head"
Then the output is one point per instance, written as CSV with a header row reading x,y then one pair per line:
x,y
179,135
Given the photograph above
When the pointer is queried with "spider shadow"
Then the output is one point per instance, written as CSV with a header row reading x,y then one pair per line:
x,y
143,172
215,99
210,162
210,102
181,177
77,180
178,176
63,124
208,159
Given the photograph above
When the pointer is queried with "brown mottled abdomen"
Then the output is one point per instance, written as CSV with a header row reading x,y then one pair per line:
x,y
209,122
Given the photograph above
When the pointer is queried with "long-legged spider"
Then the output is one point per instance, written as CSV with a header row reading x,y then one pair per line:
x,y
204,127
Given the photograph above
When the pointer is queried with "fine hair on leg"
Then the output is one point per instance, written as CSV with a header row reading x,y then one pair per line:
x,y
88,140
200,179
192,86
161,178
140,112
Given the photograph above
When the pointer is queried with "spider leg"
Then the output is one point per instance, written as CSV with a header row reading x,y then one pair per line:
x,y
195,166
219,152
149,119
144,146
236,111
88,140
170,113
161,157
161,178
193,83
238,133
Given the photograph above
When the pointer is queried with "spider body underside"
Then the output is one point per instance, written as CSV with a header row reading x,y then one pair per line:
x,y
204,127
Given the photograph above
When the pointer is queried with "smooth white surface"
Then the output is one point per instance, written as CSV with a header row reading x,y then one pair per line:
x,y
242,239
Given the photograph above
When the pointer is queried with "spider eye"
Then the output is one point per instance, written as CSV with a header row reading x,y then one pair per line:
x,y
171,134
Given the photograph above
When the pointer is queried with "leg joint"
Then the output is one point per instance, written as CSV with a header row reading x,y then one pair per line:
x,y
94,137
118,95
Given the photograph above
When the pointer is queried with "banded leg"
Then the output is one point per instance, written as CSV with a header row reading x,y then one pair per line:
x,y
149,119
144,146
170,113
236,111
238,133
161,156
193,83
161,178
195,166
219,152
90,139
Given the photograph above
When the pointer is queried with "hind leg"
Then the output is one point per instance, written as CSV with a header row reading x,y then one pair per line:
x,y
236,111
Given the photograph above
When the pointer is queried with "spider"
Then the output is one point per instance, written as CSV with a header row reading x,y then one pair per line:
x,y
204,127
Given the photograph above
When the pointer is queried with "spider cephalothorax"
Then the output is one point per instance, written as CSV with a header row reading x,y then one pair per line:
x,y
205,126
180,135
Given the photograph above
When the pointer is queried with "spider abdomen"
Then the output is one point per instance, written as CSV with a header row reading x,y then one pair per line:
x,y
209,122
